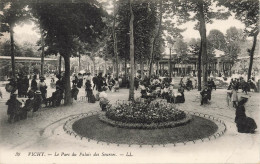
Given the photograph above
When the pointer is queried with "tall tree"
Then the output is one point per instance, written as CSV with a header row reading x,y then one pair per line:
x,y
204,12
234,38
217,39
12,12
131,26
156,37
114,37
247,11
62,27
181,49
145,30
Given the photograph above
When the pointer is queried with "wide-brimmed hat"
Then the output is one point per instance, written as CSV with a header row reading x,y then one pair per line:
x,y
38,92
243,99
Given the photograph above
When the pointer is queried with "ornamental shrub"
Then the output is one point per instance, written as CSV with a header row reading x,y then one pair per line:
x,y
144,112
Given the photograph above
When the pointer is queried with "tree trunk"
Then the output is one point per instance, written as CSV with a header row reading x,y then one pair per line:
x,y
125,69
170,64
12,51
94,66
154,41
42,55
252,57
142,69
60,65
67,99
203,36
115,40
199,68
131,24
157,67
79,62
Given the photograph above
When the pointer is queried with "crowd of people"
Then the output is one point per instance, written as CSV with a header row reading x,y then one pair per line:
x,y
240,83
19,88
35,92
155,87
150,88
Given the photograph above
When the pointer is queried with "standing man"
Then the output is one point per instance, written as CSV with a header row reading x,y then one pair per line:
x,y
19,85
99,82
42,87
94,79
34,83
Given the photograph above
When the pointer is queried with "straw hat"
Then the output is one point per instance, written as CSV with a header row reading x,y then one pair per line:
x,y
38,92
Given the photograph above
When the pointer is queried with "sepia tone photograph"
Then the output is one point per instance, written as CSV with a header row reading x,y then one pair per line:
x,y
129,81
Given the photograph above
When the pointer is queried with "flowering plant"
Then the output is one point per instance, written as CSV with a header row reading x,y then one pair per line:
x,y
144,112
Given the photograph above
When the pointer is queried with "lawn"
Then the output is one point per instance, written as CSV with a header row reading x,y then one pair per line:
x,y
91,127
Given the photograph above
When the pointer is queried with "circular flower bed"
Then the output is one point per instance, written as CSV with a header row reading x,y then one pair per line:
x,y
144,115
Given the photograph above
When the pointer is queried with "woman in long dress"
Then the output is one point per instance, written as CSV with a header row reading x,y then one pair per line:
x,y
244,124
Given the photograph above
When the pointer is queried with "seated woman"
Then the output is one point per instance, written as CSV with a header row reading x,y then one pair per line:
x,y
205,95
252,85
111,83
143,90
165,93
28,105
116,85
244,124
13,107
103,102
151,94
179,97
189,84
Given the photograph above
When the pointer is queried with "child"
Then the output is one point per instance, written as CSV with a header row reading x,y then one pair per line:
x,y
229,94
103,99
13,107
37,101
234,96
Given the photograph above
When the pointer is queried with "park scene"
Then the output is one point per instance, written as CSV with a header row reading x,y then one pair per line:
x,y
128,81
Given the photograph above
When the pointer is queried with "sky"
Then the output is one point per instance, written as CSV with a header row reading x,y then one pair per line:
x,y
26,33
221,25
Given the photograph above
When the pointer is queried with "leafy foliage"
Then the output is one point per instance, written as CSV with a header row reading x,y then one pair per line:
x,y
65,24
12,12
234,38
216,39
247,11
